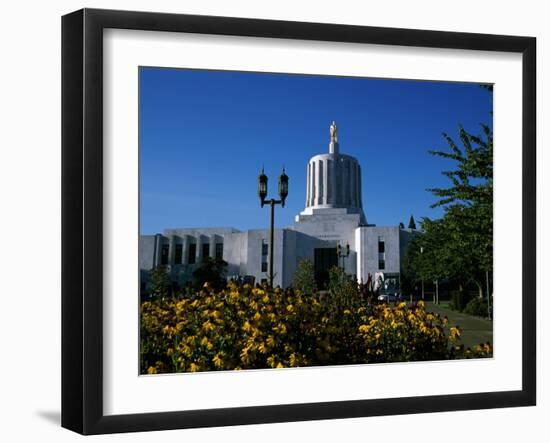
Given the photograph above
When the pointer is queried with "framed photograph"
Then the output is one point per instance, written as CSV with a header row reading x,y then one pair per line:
x,y
269,221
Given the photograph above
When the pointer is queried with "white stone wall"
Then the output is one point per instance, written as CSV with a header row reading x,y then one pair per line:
x,y
396,241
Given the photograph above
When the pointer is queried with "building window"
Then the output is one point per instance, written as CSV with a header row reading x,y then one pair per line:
x,y
177,255
219,251
265,250
164,255
381,264
192,254
205,251
381,245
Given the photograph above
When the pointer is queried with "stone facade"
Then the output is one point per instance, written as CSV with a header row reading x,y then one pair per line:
x,y
333,215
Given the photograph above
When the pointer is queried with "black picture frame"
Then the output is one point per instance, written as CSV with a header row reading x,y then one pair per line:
x,y
82,218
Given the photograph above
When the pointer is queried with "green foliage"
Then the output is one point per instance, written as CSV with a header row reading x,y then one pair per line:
x,y
344,291
241,327
159,282
459,246
458,300
304,277
211,271
472,180
477,306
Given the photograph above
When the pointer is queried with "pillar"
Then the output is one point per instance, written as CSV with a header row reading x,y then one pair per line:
x,y
158,250
185,250
212,246
313,190
320,176
171,249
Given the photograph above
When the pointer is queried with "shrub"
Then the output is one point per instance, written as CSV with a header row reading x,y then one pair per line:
x,y
159,282
211,271
477,306
459,299
246,328
344,291
304,277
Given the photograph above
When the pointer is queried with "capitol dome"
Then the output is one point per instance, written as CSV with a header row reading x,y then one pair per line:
x,y
333,181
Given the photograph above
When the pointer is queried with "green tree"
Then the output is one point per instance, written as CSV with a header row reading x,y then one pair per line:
x,y
469,204
412,224
304,277
472,180
459,246
159,282
211,271
344,291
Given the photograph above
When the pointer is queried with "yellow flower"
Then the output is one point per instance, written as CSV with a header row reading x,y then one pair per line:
x,y
168,329
257,316
217,360
293,360
455,333
290,308
207,326
280,365
180,326
245,358
347,312
151,370
186,350
194,367
206,343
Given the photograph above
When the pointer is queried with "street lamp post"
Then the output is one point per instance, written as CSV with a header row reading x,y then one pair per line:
x,y
262,193
343,255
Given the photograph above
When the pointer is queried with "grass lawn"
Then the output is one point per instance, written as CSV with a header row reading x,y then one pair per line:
x,y
475,330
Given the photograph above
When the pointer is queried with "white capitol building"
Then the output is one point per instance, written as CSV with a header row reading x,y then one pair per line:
x,y
333,215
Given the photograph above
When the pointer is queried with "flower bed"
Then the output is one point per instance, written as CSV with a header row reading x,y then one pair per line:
x,y
252,328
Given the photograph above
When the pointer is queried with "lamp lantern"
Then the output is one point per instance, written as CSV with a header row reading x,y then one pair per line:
x,y
262,187
283,187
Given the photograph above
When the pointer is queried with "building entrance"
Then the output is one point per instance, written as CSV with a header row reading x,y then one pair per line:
x,y
325,258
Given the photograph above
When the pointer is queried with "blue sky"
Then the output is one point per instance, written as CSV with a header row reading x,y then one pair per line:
x,y
204,136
